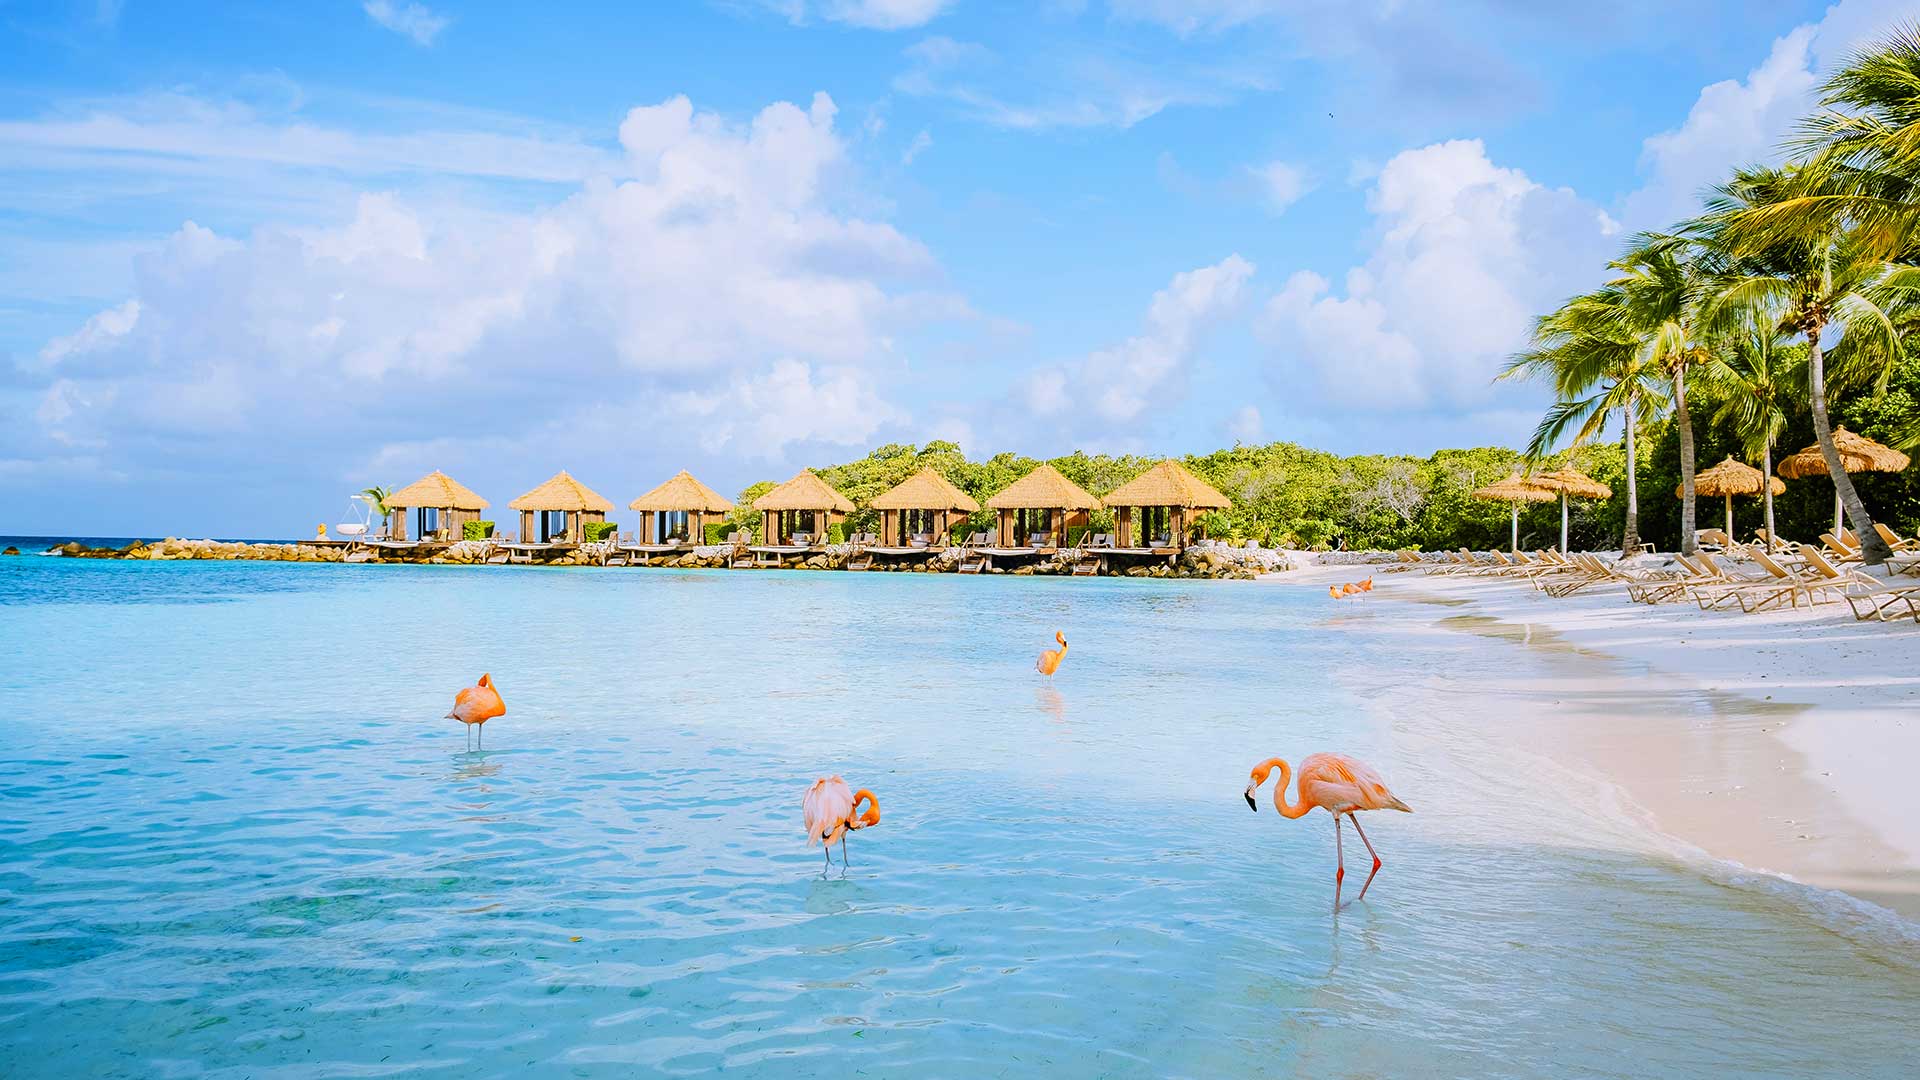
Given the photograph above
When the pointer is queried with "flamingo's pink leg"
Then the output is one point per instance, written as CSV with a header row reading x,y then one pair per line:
x,y
1370,851
1339,863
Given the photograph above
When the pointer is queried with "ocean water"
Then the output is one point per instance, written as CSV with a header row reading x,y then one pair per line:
x,y
237,839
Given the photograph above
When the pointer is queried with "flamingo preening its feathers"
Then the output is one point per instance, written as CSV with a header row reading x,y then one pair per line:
x,y
477,704
1338,784
828,810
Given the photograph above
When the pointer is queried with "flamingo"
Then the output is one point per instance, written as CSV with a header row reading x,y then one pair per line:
x,y
477,704
1367,585
1340,785
828,809
1334,591
1049,661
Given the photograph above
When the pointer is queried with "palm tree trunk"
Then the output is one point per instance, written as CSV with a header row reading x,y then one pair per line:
x,y
1686,459
1630,543
1873,550
1766,489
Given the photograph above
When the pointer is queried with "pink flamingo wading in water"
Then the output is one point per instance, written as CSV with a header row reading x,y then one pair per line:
x,y
477,704
1339,785
828,810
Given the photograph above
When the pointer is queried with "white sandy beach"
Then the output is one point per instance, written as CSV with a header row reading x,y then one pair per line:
x,y
1799,766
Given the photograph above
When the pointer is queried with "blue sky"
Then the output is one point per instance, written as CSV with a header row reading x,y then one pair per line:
x,y
251,260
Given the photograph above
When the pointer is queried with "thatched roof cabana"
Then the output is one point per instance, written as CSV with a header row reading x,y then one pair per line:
x,y
806,498
442,506
1730,478
574,502
924,503
680,505
1167,495
1857,454
1571,482
1041,502
1515,489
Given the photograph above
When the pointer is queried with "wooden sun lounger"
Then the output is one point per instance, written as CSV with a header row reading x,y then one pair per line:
x,y
1782,583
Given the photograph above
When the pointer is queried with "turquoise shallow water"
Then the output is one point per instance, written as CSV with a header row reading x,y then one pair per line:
x,y
236,840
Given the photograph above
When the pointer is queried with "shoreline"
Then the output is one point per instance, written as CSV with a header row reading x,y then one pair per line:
x,y
1787,758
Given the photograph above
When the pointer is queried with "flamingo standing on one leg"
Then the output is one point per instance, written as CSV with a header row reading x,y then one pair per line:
x,y
1340,785
828,809
1049,661
476,705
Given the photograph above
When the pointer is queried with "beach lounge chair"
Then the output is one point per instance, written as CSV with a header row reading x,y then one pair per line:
x,y
1871,598
1839,546
1782,583
1714,538
1868,596
1894,540
1702,569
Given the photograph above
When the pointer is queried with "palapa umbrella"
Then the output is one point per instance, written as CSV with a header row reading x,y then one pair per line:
x,y
1730,478
1515,489
1571,482
1857,454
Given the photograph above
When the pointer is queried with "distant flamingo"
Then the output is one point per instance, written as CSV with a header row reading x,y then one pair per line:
x,y
1334,591
1049,661
1367,585
828,810
476,705
1340,785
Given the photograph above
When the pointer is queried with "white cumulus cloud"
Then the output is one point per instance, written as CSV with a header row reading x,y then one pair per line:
x,y
414,21
1281,184
722,271
1468,253
1120,381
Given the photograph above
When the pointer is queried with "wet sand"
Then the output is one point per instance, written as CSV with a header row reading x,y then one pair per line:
x,y
1783,742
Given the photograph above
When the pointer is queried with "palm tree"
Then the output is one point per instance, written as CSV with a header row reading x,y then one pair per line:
x,y
1659,285
1859,159
1594,365
1808,285
1756,380
377,499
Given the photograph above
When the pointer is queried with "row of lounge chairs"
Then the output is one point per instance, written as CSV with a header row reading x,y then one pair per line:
x,y
1804,573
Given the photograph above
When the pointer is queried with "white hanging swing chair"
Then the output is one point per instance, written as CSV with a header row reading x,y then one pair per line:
x,y
362,506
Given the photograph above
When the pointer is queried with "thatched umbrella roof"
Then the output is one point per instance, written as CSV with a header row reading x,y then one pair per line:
x,y
1728,478
1168,484
438,491
1857,454
562,492
1571,481
682,494
925,490
1043,489
1515,489
804,492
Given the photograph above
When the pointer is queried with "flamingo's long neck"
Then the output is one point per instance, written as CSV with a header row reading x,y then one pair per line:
x,y
1298,809
872,816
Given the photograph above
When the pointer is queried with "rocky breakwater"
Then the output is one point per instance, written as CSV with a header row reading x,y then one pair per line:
x,y
173,548
1212,559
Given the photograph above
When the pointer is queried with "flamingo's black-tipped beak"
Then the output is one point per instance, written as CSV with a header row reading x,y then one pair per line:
x,y
1251,805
